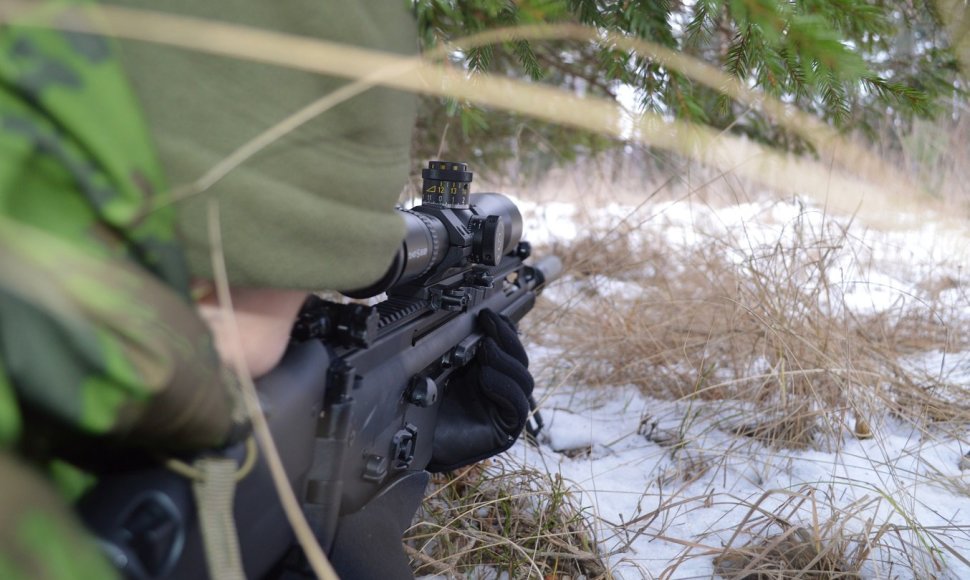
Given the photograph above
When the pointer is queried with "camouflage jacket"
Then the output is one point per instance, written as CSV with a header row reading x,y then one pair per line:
x,y
98,337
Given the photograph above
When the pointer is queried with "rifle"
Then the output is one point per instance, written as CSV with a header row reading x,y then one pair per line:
x,y
352,406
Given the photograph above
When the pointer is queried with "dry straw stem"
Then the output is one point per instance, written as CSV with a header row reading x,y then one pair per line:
x,y
882,196
291,506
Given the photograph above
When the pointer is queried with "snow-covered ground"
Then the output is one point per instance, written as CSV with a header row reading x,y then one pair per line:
x,y
670,484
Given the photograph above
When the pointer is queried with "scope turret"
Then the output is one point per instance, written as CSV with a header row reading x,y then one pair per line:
x,y
451,229
446,184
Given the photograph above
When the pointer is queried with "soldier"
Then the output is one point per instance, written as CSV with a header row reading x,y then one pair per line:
x,y
103,278
100,343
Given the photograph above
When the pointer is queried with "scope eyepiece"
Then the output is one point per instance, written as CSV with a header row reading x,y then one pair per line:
x,y
446,184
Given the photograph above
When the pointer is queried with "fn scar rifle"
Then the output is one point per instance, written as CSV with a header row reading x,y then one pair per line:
x,y
352,406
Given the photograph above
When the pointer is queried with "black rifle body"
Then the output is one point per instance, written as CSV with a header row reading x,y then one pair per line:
x,y
353,416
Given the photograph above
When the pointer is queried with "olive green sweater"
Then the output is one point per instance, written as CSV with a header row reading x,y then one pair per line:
x,y
315,209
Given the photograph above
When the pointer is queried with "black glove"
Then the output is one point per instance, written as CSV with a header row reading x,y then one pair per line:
x,y
486,404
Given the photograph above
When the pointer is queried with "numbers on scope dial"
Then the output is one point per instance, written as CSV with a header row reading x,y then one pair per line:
x,y
446,193
441,189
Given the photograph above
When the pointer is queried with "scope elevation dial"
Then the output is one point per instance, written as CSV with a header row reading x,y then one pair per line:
x,y
446,184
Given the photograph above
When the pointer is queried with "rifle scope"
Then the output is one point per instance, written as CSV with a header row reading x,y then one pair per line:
x,y
450,229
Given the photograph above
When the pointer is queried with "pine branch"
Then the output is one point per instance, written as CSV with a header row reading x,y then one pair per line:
x,y
738,56
527,58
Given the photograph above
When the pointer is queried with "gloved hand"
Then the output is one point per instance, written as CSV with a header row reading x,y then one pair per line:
x,y
486,404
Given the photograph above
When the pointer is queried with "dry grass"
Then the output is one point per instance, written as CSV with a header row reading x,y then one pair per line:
x,y
777,548
770,327
760,338
807,534
749,318
493,517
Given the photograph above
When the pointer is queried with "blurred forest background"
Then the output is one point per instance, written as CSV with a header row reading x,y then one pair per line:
x,y
885,71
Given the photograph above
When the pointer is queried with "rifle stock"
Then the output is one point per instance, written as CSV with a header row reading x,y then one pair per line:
x,y
352,408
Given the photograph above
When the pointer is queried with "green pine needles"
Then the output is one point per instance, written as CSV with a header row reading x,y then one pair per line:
x,y
857,64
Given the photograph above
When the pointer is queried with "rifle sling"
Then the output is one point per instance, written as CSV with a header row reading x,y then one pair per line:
x,y
214,493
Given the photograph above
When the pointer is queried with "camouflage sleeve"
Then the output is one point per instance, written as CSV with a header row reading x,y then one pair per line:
x,y
39,538
93,343
97,333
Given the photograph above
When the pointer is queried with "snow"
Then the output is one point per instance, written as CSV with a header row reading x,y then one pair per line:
x,y
622,479
667,480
